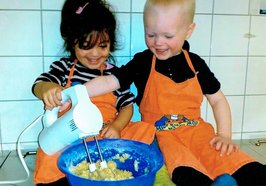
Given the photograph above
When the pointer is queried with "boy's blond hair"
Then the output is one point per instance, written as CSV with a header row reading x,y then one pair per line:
x,y
187,6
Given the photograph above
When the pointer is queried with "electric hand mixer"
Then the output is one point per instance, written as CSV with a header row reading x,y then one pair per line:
x,y
82,120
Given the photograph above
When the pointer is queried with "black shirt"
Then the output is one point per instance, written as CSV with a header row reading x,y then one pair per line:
x,y
176,68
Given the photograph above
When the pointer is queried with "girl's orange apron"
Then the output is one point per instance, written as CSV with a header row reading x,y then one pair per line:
x,y
46,170
185,145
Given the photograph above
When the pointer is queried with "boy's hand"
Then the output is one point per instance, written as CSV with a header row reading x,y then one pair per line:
x,y
224,145
66,105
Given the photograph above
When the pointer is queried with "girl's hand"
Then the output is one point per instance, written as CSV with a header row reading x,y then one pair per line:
x,y
224,145
52,96
110,132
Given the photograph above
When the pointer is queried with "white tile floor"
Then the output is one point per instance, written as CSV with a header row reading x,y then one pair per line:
x,y
258,152
13,170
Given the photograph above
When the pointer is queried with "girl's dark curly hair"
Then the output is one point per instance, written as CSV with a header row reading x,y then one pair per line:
x,y
95,18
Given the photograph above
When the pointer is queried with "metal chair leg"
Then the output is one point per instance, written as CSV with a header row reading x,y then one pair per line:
x,y
29,153
3,162
259,142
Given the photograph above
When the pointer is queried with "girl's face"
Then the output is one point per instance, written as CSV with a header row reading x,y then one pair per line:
x,y
166,30
94,57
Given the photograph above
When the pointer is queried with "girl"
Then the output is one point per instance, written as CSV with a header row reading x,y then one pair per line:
x,y
88,29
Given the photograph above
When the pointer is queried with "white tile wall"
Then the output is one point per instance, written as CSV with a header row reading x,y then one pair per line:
x,y
137,5
123,21
256,75
18,28
120,5
231,72
201,38
236,104
229,38
229,7
254,113
52,41
229,34
51,5
137,34
17,76
204,6
15,117
257,35
16,4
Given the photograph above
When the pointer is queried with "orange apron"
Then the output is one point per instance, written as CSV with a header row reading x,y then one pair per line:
x,y
185,145
46,170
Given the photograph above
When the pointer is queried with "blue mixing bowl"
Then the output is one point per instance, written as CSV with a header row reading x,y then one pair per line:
x,y
149,159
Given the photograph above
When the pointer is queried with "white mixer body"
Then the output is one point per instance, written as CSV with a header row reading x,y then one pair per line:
x,y
83,119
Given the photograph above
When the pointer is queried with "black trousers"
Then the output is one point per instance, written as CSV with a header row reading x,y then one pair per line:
x,y
61,182
251,174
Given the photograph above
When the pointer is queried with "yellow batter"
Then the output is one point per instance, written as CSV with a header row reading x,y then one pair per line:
x,y
109,173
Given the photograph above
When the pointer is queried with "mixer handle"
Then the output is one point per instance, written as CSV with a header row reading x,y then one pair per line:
x,y
50,116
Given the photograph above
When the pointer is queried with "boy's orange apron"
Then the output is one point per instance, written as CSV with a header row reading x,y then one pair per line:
x,y
46,170
185,145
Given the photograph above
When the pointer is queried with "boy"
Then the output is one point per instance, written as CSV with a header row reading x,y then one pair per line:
x,y
171,82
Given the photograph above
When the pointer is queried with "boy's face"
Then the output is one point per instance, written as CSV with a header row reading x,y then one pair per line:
x,y
166,30
95,56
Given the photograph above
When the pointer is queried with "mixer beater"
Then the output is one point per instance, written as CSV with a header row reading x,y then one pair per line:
x,y
92,165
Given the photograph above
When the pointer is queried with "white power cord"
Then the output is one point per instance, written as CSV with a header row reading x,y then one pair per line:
x,y
18,148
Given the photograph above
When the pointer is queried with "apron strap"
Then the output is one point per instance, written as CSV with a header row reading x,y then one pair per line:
x,y
189,61
71,74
